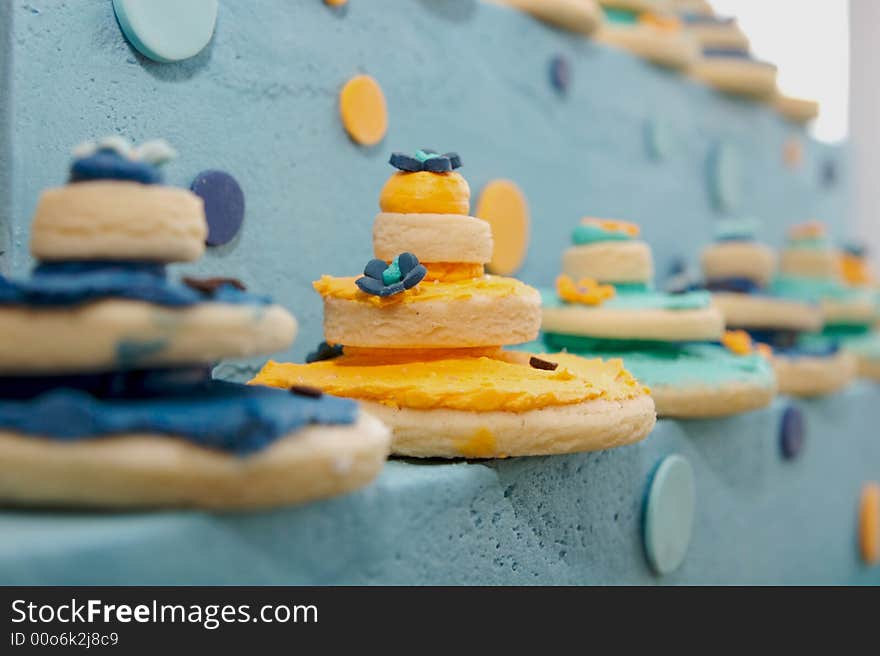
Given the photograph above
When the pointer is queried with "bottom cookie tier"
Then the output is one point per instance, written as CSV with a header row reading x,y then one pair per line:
x,y
767,510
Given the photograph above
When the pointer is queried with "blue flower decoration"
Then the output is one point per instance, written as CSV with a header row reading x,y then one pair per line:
x,y
110,165
114,158
425,160
381,279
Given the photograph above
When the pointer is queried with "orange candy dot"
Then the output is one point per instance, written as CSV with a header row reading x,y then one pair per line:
x,y
504,207
363,110
335,3
869,523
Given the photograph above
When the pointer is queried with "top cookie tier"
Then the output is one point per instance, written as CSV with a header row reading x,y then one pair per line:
x,y
115,208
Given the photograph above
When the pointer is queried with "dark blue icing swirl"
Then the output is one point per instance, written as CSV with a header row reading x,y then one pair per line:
x,y
738,285
230,417
107,164
128,384
75,283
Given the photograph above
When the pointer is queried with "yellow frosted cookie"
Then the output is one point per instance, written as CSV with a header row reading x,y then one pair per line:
x,y
485,407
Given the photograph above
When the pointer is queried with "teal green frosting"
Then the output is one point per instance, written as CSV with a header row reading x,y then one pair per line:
x,y
866,345
620,16
392,275
638,300
586,233
658,364
736,230
814,289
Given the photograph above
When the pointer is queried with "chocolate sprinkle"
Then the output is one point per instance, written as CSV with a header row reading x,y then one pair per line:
x,y
305,390
538,363
211,285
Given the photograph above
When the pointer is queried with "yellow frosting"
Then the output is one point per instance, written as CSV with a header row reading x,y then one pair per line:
x,y
426,193
452,271
478,384
346,289
585,290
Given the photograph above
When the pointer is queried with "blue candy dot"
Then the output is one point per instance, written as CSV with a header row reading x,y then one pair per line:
x,y
792,432
224,205
560,74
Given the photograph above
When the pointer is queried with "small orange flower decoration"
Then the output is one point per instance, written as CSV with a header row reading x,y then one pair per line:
x,y
855,270
738,342
612,225
807,230
586,290
663,22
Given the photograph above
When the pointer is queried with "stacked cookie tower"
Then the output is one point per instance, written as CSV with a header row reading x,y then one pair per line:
x,y
863,339
648,29
741,272
106,397
422,332
604,304
725,60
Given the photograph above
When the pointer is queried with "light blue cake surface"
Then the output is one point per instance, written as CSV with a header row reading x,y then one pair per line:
x,y
261,103
572,519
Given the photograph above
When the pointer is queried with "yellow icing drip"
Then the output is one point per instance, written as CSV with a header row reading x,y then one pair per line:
x,y
453,271
494,286
586,290
481,444
478,384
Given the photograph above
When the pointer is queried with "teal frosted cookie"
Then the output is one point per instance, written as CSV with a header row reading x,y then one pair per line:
x,y
686,380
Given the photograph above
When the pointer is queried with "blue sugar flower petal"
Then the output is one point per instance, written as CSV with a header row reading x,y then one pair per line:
x,y
375,269
438,165
406,262
414,277
370,286
405,162
454,160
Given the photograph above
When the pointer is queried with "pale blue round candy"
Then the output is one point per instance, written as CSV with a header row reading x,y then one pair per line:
x,y
167,30
669,514
725,177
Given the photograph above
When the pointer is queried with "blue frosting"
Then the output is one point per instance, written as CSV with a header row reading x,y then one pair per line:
x,y
228,416
737,285
74,283
133,383
107,164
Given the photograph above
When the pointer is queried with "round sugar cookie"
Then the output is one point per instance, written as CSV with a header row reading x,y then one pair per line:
x,y
120,334
810,262
854,310
701,324
737,76
757,311
799,110
118,220
454,405
610,261
587,426
719,36
807,376
581,16
152,470
432,237
672,49
488,311
739,259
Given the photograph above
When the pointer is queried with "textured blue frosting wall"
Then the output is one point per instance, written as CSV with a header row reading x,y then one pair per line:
x,y
261,102
561,520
